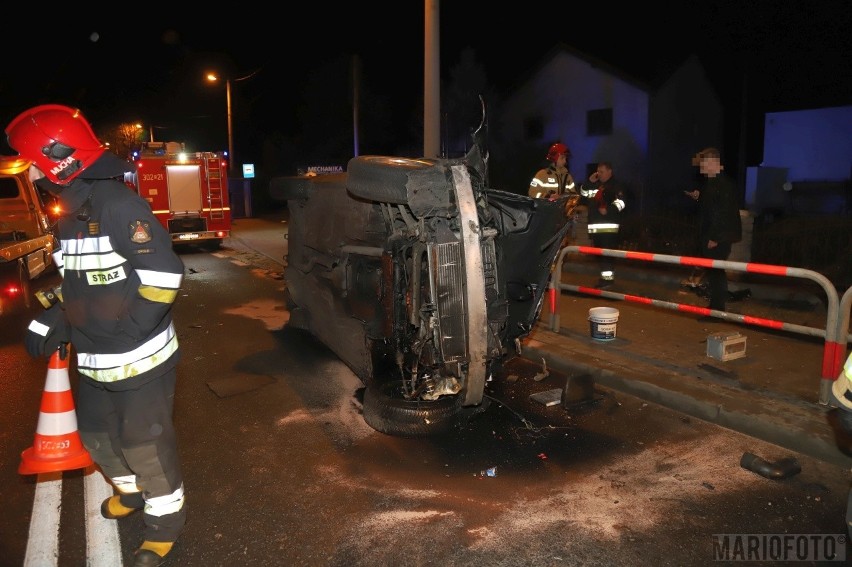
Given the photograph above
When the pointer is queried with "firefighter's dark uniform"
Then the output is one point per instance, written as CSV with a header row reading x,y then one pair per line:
x,y
120,278
603,228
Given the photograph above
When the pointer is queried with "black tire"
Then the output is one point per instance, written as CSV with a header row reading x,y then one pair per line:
x,y
289,188
382,179
386,411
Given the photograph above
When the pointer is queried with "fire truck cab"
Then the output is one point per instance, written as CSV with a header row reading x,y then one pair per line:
x,y
187,191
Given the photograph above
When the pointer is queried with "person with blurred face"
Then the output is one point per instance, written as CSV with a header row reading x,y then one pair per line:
x,y
719,223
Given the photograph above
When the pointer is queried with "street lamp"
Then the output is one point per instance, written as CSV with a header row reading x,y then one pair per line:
x,y
212,77
138,126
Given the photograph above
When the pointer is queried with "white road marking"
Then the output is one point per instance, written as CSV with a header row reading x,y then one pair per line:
x,y
43,541
103,547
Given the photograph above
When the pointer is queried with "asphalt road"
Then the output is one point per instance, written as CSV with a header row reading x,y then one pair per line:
x,y
281,469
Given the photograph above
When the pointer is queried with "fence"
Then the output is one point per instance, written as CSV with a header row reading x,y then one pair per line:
x,y
835,334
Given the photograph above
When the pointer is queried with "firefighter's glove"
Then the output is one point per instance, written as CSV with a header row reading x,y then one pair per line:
x,y
47,332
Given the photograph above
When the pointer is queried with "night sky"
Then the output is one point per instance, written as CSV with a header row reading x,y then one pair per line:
x,y
775,55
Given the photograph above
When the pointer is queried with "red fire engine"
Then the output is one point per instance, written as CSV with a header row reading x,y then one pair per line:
x,y
188,191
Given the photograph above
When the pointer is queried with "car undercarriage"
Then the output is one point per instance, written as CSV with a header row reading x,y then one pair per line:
x,y
419,277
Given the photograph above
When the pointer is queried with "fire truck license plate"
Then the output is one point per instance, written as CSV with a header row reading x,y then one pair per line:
x,y
188,236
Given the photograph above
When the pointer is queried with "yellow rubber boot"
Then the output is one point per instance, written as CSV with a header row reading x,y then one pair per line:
x,y
152,553
113,509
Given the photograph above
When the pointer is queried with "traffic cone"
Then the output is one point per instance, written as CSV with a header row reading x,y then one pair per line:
x,y
57,445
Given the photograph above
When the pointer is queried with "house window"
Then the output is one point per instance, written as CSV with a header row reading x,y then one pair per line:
x,y
534,128
599,122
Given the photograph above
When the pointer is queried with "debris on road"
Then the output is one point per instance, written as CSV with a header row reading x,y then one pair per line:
x,y
779,470
548,397
544,372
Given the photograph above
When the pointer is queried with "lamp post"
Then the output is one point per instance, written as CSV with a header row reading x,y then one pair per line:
x,y
230,127
212,77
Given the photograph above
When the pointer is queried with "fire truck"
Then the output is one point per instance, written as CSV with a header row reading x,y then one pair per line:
x,y
188,191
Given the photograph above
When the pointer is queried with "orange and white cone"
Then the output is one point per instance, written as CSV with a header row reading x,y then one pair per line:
x,y
57,445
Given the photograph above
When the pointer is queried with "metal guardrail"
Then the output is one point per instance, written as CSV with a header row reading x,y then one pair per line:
x,y
836,329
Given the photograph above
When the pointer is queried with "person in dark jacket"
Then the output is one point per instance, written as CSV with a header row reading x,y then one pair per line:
x,y
720,225
604,195
120,277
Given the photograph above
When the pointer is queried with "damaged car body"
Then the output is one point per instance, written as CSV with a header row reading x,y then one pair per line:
x,y
419,277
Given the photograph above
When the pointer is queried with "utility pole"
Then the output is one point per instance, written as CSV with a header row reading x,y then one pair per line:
x,y
230,128
432,81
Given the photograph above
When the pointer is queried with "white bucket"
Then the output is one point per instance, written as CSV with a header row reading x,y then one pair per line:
x,y
603,322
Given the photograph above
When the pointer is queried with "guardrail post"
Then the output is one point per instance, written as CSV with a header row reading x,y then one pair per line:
x,y
555,290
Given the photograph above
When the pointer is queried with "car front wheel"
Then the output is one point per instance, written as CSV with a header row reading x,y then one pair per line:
x,y
387,411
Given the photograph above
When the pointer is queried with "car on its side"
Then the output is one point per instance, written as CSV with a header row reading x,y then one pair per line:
x,y
420,277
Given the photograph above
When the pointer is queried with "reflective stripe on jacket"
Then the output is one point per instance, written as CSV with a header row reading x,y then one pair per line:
x,y
598,227
609,196
120,279
551,181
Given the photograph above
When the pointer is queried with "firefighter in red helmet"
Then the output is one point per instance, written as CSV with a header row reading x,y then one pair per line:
x,y
120,277
555,179
556,182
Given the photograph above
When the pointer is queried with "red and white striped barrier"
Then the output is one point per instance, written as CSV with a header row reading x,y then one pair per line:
x,y
837,320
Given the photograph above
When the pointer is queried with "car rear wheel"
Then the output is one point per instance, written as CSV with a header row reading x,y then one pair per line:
x,y
387,411
382,179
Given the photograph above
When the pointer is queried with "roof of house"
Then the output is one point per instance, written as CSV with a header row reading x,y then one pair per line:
x,y
646,77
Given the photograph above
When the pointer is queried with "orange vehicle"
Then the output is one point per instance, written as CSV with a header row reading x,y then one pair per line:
x,y
188,192
27,241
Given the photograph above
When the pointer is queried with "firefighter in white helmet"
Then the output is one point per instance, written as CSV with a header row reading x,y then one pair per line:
x,y
605,198
120,279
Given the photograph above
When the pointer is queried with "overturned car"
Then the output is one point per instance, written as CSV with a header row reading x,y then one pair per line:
x,y
421,278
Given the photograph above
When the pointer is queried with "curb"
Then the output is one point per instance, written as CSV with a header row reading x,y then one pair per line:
x,y
801,431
